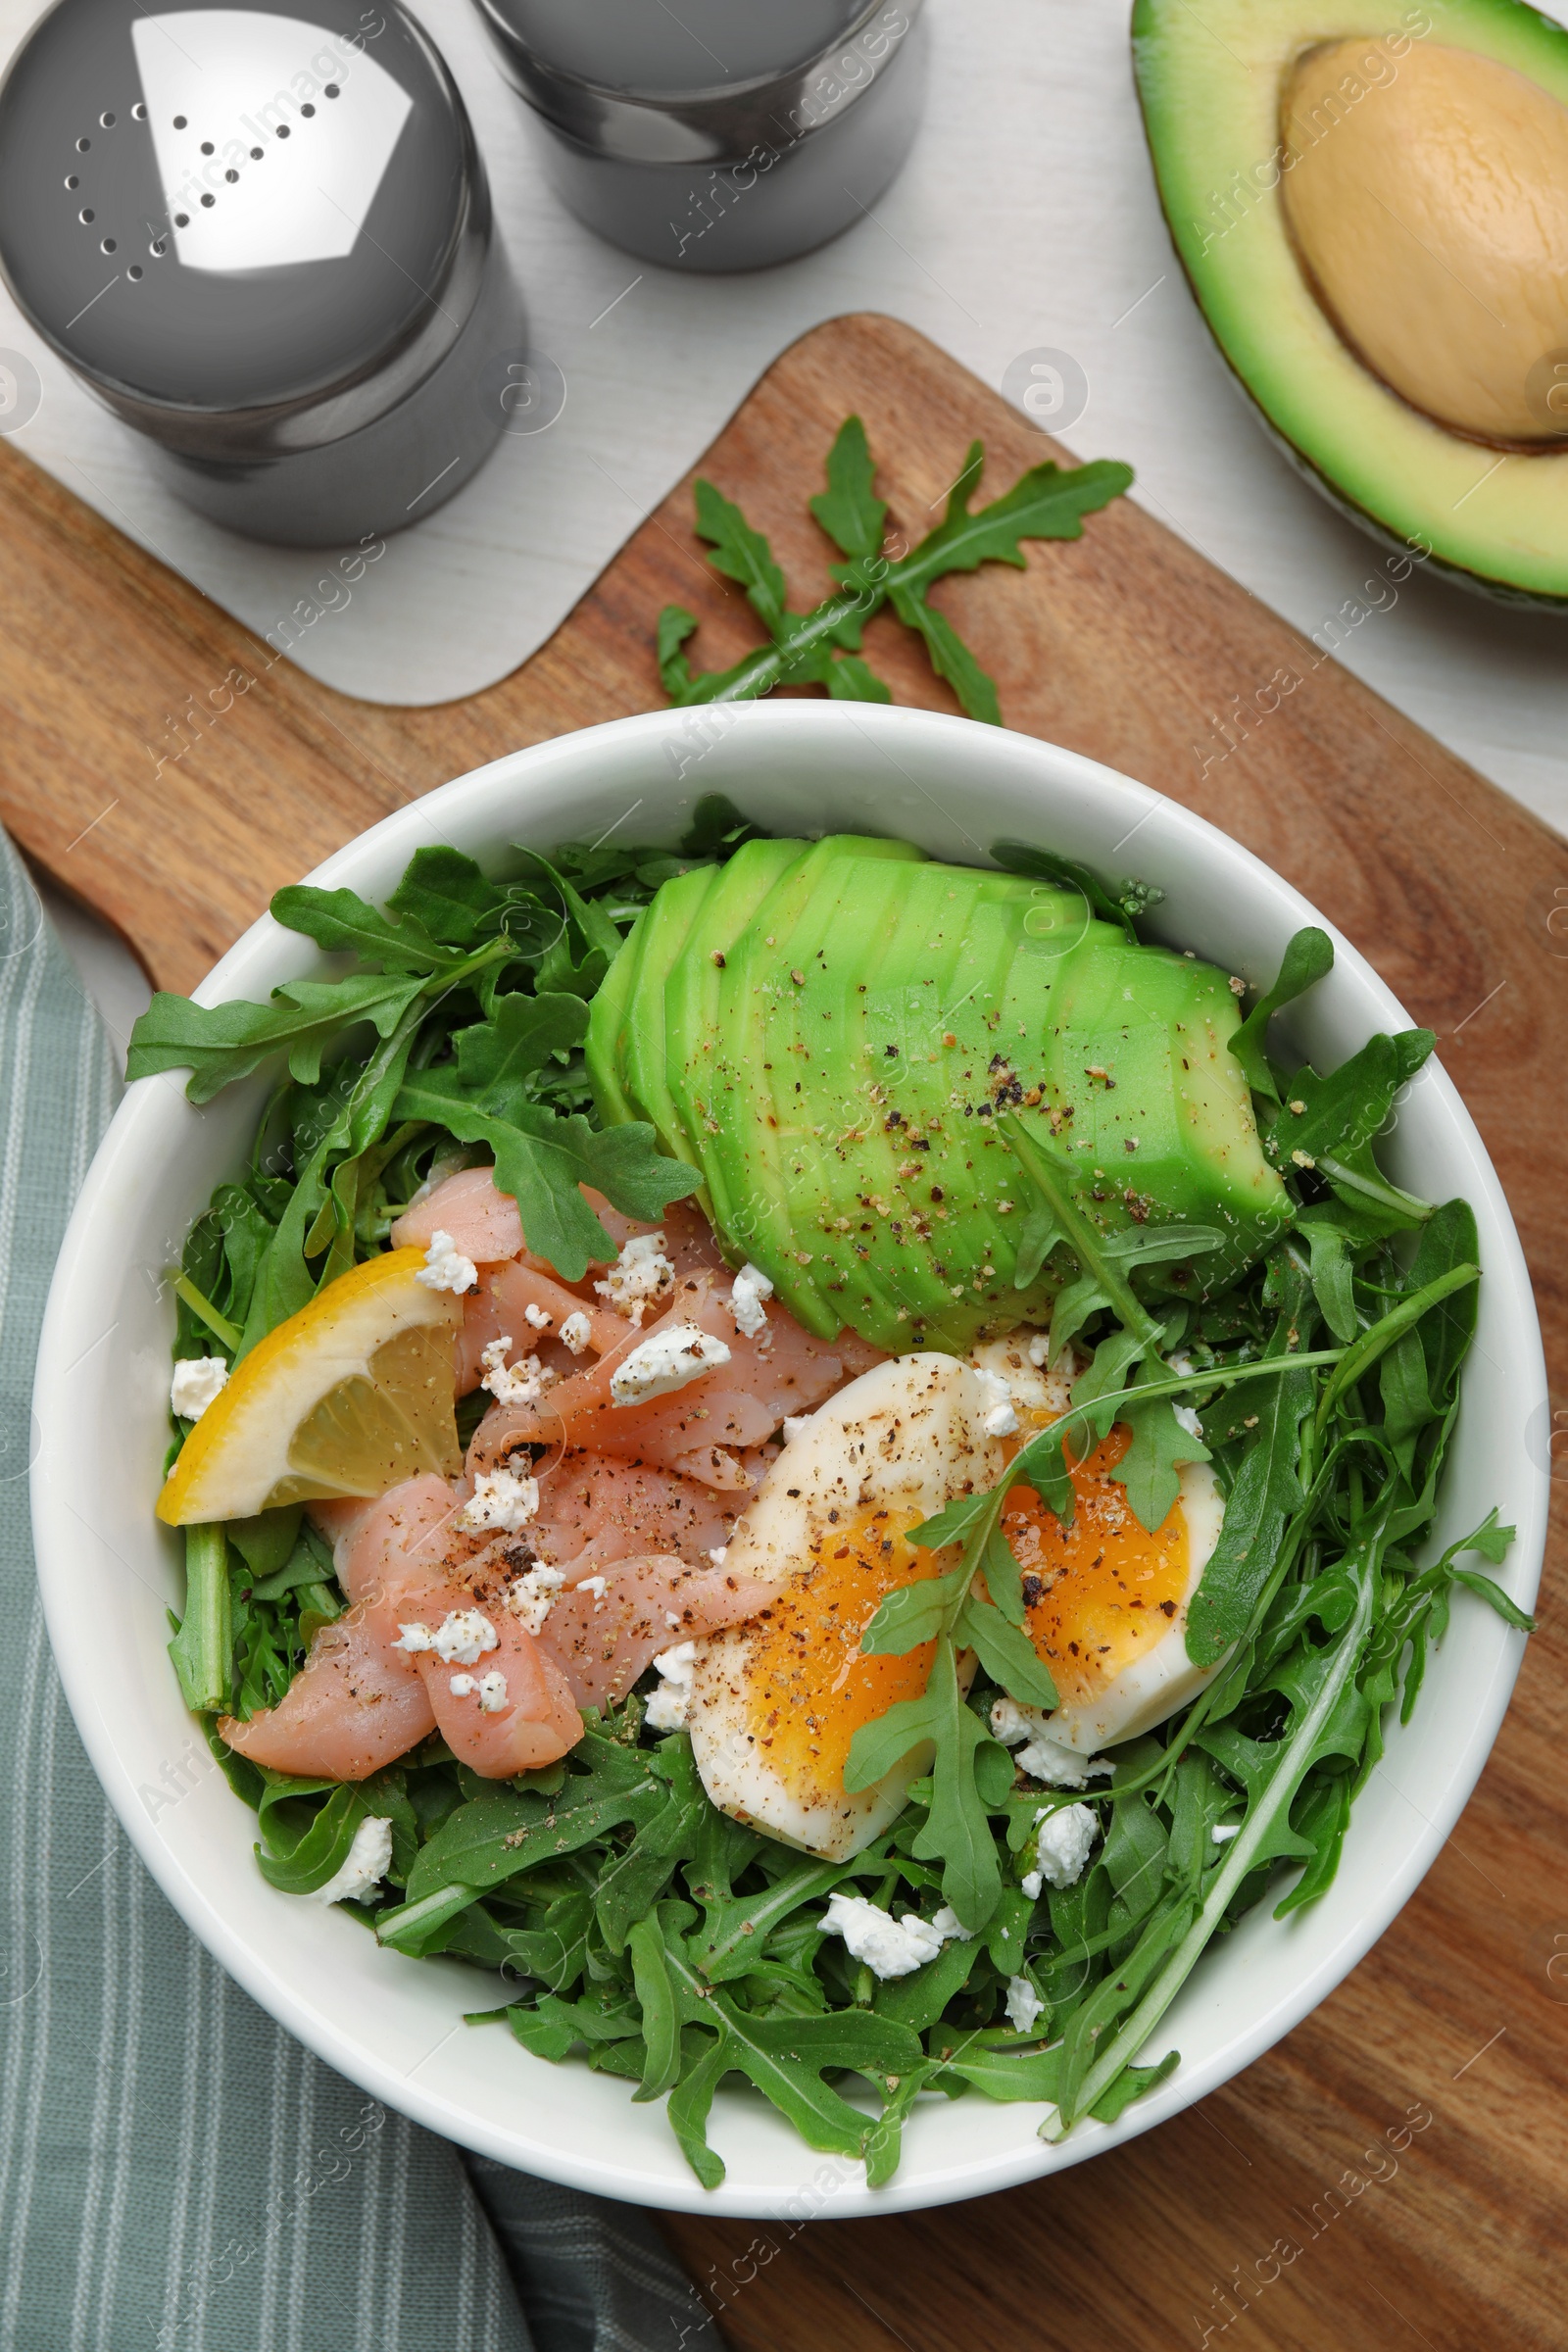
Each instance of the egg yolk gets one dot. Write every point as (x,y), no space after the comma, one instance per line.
(810,1686)
(1100,1593)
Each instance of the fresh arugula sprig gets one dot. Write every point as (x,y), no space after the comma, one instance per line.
(472,992)
(821,648)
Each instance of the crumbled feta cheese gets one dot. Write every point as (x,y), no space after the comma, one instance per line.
(1062,1845)
(666,1710)
(1041,1756)
(889,1947)
(576,1332)
(365,1865)
(796,1426)
(531,1597)
(523,1383)
(999,1419)
(1185,1414)
(502,1500)
(665,1361)
(1060,1767)
(1224,1831)
(642,1272)
(749,1289)
(490,1690)
(1023,2004)
(719,1554)
(950,1926)
(537,1318)
(1010,1722)
(445,1267)
(1039,1347)
(598,1585)
(1012,1378)
(197,1380)
(460,1639)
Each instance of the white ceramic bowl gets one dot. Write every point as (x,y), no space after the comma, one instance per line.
(109,1572)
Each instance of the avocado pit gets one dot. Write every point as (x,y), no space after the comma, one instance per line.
(1429,210)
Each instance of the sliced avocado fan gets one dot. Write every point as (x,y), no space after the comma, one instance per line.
(1371,202)
(828,1032)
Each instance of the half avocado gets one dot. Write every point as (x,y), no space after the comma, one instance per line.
(1371,202)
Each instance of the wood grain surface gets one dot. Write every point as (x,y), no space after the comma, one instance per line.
(171,770)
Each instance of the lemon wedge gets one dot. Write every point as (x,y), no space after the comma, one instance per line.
(347,1397)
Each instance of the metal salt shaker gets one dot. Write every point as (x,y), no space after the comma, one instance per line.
(718,134)
(262,238)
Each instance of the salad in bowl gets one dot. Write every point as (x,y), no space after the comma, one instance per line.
(817,1460)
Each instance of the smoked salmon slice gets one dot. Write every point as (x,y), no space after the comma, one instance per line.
(607,1630)
(779,1372)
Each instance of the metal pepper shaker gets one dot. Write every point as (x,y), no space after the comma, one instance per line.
(262,237)
(722,134)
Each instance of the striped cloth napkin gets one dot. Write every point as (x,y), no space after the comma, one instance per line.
(176,2172)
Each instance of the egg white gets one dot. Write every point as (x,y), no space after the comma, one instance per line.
(905,1438)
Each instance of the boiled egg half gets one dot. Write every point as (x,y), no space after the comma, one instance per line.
(775,1702)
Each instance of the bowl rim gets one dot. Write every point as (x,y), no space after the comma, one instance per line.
(266,954)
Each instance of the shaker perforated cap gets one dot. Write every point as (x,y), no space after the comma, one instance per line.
(240,224)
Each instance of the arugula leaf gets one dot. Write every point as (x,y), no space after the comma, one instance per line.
(1038,1235)
(1150,1470)
(822,647)
(342,919)
(1308,958)
(1342,1116)
(741,554)
(1049,502)
(783,2057)
(1448,1240)
(949,656)
(848,509)
(717,826)
(449,896)
(1008,1656)
(1374,1342)
(919,2000)
(306,1865)
(675,625)
(543,1157)
(1265,1495)
(958,1828)
(1331,1236)
(910,1616)
(221,1042)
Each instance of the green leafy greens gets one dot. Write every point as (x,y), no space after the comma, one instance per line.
(822,647)
(476,1017)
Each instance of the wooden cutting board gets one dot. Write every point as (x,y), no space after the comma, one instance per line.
(138,769)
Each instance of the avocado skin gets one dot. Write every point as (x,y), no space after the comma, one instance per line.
(1210,95)
(804,1064)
